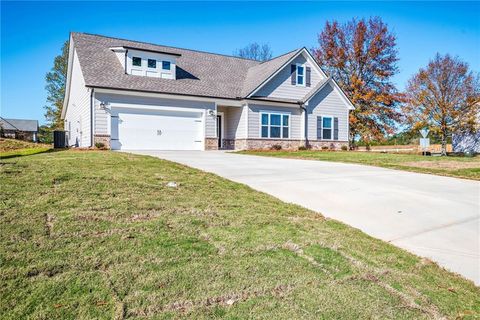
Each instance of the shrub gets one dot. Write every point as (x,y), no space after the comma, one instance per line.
(99,145)
(302,148)
(344,148)
(324,148)
(276,147)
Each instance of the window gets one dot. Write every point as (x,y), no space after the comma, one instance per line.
(300,75)
(136,61)
(327,124)
(166,65)
(152,63)
(274,125)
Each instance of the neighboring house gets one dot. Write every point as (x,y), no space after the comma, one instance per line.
(468,141)
(19,129)
(135,95)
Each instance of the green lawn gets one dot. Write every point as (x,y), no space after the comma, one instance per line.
(461,167)
(10,148)
(98,234)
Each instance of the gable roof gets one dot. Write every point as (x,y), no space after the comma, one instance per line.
(198,73)
(19,124)
(335,86)
(257,75)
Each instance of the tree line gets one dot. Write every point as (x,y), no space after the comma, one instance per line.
(361,55)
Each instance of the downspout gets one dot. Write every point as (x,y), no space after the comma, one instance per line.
(126,52)
(91,116)
(305,126)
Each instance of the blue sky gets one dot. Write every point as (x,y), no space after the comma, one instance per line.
(33,32)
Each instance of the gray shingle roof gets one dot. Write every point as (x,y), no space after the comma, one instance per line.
(19,124)
(198,73)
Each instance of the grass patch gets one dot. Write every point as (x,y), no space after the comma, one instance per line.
(453,166)
(10,148)
(101,235)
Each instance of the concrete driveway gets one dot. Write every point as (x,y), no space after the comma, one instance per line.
(431,216)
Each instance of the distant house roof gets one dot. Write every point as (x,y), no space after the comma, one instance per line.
(19,124)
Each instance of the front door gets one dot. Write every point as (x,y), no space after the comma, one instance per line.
(219,131)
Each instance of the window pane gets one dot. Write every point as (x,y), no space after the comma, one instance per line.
(285,132)
(166,65)
(285,120)
(152,63)
(264,119)
(264,131)
(275,119)
(327,134)
(274,132)
(300,70)
(136,61)
(327,122)
(300,80)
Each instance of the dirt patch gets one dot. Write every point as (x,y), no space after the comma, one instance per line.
(443,164)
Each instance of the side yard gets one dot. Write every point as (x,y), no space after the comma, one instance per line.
(11,147)
(99,234)
(460,167)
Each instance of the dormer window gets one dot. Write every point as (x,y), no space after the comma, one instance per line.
(300,75)
(166,65)
(137,61)
(152,63)
(146,62)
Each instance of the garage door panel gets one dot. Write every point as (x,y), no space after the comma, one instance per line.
(163,130)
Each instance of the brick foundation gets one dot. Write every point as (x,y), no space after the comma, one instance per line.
(228,144)
(211,144)
(267,144)
(331,145)
(102,138)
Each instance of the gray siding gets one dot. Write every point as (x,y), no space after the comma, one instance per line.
(102,119)
(234,122)
(327,102)
(280,86)
(254,120)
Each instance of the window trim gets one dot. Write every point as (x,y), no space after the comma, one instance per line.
(331,126)
(281,114)
(169,63)
(304,77)
(148,62)
(134,65)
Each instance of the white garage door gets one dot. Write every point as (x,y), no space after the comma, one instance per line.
(156,130)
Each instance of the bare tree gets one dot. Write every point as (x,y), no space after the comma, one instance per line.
(444,96)
(255,51)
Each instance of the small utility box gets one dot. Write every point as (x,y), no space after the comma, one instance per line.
(59,140)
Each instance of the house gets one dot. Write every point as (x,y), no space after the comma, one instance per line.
(19,129)
(135,95)
(468,141)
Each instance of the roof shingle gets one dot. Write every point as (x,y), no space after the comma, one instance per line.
(19,124)
(198,73)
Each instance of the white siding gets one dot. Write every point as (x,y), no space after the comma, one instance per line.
(144,70)
(327,102)
(254,120)
(102,117)
(77,116)
(281,86)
